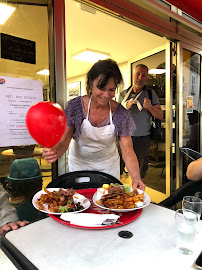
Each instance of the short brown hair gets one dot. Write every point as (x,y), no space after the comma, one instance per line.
(143,66)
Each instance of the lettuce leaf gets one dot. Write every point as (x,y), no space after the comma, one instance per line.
(126,189)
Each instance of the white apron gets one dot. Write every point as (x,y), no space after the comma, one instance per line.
(95,149)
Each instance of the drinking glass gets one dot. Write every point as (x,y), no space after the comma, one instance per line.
(186,227)
(192,203)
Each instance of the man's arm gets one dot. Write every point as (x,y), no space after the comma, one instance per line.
(123,98)
(155,110)
(194,170)
(7,212)
(8,215)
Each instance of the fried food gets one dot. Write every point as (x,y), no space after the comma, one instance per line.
(118,199)
(57,199)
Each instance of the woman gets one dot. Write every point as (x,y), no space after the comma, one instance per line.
(95,122)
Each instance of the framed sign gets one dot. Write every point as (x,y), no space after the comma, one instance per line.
(17,49)
(74,89)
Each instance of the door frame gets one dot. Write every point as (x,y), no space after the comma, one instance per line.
(155,195)
(179,112)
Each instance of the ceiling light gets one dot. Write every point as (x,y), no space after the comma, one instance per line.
(89,55)
(157,71)
(5,12)
(44,71)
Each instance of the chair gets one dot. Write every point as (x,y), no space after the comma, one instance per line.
(157,157)
(190,154)
(189,187)
(83,180)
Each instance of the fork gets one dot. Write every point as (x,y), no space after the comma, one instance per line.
(111,222)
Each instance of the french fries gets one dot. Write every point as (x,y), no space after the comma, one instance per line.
(118,199)
(55,199)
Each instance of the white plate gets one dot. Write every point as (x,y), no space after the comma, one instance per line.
(86,203)
(146,199)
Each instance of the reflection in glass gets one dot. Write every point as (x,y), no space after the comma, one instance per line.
(191,103)
(28,22)
(156,174)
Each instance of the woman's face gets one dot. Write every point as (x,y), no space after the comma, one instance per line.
(104,95)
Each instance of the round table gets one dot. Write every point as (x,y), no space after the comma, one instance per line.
(9,153)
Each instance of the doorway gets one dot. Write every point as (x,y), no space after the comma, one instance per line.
(189,115)
(24,57)
(162,74)
(141,45)
(131,45)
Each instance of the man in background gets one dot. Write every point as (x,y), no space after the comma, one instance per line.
(136,99)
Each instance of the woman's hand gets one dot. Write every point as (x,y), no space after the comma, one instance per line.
(50,155)
(138,184)
(12,226)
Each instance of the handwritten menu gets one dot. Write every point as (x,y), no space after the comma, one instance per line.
(17,96)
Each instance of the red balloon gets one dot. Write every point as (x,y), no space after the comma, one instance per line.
(46,123)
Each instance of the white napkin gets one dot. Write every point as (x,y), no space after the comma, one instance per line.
(78,198)
(100,192)
(135,101)
(88,219)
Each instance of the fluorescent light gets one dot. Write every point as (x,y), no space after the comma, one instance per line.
(44,71)
(5,12)
(157,71)
(89,55)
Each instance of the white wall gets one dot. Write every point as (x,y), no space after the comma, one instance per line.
(82,79)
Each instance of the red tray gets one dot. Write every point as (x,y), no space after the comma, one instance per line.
(125,217)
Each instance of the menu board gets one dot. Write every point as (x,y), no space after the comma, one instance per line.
(17,96)
(18,49)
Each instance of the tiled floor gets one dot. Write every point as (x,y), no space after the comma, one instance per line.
(155,178)
(126,179)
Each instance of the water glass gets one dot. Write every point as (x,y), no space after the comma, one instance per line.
(186,227)
(192,203)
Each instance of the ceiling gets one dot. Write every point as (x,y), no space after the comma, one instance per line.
(98,31)
(105,33)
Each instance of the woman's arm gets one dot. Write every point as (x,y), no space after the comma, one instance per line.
(194,170)
(52,154)
(131,161)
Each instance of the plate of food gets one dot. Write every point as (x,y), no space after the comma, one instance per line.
(57,201)
(120,198)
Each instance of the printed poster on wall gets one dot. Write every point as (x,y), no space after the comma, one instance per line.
(17,96)
(190,104)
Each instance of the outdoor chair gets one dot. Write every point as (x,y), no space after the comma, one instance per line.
(83,180)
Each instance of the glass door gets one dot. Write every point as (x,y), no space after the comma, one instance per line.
(24,63)
(189,85)
(161,162)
